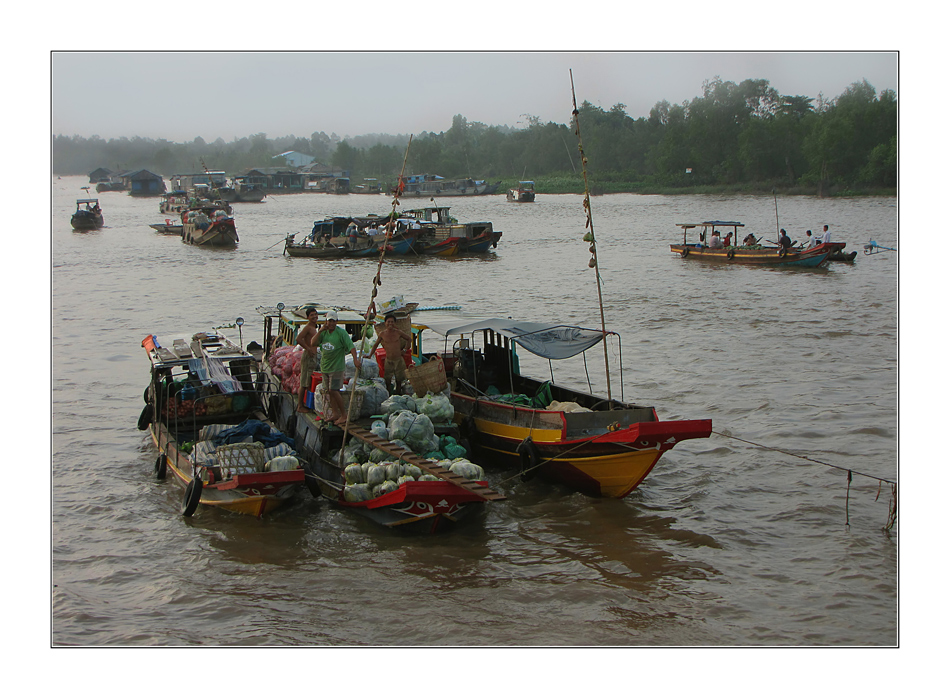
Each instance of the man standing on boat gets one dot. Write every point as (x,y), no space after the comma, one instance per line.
(391,338)
(827,236)
(334,342)
(308,362)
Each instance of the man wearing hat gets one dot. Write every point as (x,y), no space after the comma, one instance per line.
(334,342)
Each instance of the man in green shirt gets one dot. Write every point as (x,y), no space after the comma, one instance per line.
(334,342)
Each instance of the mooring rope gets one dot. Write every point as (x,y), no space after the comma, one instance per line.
(892,505)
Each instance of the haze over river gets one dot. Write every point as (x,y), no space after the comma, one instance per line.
(728,542)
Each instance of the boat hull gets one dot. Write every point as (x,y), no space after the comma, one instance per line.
(761,256)
(86,223)
(218,234)
(331,252)
(601,454)
(254,494)
(167,228)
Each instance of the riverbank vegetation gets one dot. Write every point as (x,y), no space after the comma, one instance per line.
(736,138)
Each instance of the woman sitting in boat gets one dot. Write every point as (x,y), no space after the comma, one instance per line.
(750,240)
(727,241)
(715,242)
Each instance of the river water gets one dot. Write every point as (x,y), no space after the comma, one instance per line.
(735,540)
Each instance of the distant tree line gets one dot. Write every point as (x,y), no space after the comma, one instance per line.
(741,136)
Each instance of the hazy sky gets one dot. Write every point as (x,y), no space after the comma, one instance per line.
(181,95)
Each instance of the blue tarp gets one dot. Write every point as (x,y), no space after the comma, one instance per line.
(257,431)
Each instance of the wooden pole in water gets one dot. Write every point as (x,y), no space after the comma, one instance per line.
(777,236)
(593,241)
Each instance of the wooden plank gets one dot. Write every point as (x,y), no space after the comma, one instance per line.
(181,349)
(426,465)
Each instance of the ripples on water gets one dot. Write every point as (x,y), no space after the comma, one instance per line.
(724,544)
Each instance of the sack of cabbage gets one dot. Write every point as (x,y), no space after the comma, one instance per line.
(370,480)
(435,406)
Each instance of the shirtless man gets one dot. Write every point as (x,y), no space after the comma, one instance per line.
(391,338)
(308,361)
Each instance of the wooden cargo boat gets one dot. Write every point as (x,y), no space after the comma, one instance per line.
(438,231)
(204,413)
(174,202)
(307,248)
(208,227)
(420,506)
(437,186)
(524,192)
(598,446)
(749,254)
(167,228)
(88,215)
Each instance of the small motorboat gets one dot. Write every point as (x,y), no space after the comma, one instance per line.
(88,215)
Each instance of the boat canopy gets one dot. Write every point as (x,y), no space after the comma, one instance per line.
(734,224)
(542,339)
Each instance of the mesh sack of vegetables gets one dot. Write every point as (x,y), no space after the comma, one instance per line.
(438,407)
(353,474)
(354,453)
(374,393)
(369,369)
(451,448)
(415,430)
(397,402)
(358,492)
(466,469)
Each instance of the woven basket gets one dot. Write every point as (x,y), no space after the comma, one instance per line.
(241,455)
(428,377)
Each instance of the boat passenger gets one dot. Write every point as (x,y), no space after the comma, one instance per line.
(810,240)
(715,242)
(826,238)
(784,242)
(750,240)
(727,241)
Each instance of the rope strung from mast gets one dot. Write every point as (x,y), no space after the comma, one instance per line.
(377,282)
(589,236)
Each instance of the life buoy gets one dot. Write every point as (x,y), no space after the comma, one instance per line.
(684,252)
(731,254)
(191,498)
(529,458)
(145,419)
(161,467)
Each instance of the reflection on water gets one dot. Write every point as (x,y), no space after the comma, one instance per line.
(724,543)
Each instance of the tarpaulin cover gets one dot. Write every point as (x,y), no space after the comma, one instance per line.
(255,431)
(543,339)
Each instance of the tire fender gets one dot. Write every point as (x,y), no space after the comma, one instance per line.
(529,458)
(191,497)
(145,418)
(161,467)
